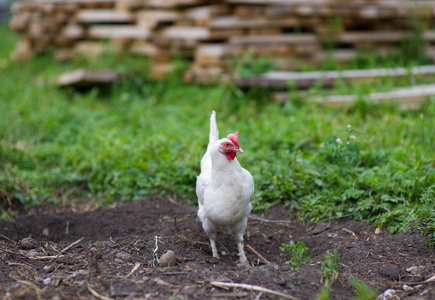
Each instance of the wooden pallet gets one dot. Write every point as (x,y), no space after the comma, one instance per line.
(292,33)
(303,80)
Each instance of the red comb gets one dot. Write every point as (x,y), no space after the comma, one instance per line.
(234,137)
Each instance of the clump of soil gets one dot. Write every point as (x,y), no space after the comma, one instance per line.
(114,253)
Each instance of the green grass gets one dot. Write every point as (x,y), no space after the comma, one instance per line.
(144,137)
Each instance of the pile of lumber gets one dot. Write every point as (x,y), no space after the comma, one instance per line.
(212,34)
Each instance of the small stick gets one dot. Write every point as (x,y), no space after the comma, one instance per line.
(261,257)
(136,266)
(258,296)
(44,257)
(250,287)
(32,257)
(430,279)
(349,231)
(10,240)
(67,228)
(96,294)
(255,217)
(72,245)
(164,283)
(175,222)
(32,285)
(231,295)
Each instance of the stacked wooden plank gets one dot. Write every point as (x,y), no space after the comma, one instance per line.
(210,34)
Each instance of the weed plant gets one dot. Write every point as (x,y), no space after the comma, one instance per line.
(330,267)
(144,137)
(298,252)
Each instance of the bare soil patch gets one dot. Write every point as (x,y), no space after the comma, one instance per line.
(110,253)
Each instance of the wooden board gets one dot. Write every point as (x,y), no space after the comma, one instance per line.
(407,95)
(120,31)
(327,78)
(86,78)
(196,33)
(151,19)
(231,22)
(202,15)
(73,31)
(290,39)
(292,33)
(103,16)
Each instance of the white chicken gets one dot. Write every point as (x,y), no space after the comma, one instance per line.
(224,189)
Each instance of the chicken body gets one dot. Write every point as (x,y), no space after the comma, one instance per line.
(224,189)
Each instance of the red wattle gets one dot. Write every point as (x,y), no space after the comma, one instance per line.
(231,155)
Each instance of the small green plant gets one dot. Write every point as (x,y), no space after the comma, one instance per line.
(330,267)
(363,290)
(426,215)
(298,252)
(343,152)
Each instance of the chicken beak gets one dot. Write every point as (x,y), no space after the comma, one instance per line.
(240,150)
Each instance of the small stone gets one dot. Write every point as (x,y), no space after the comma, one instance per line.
(378,231)
(32,253)
(118,261)
(123,255)
(49,269)
(390,271)
(46,232)
(168,259)
(27,243)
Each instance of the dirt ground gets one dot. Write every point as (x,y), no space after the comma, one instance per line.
(111,253)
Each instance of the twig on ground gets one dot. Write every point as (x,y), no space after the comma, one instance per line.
(164,283)
(173,201)
(257,218)
(67,228)
(175,223)
(33,286)
(17,264)
(136,266)
(261,257)
(349,231)
(354,212)
(96,294)
(44,257)
(430,279)
(32,257)
(243,295)
(250,287)
(184,238)
(258,296)
(72,245)
(10,240)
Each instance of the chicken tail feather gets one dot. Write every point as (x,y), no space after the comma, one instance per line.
(214,132)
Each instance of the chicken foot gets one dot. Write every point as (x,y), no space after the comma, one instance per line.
(242,255)
(213,248)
